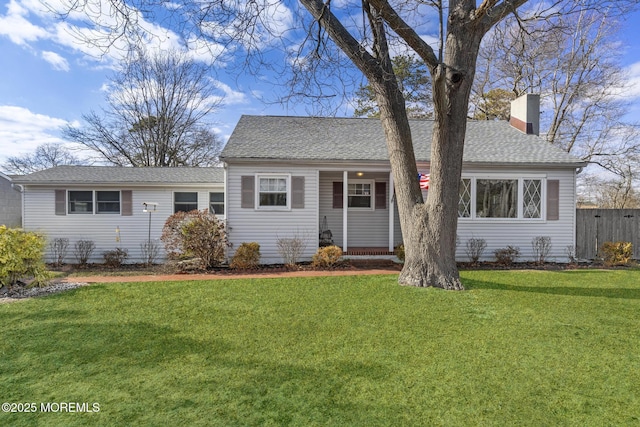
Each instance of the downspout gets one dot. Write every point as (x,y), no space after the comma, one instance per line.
(20,189)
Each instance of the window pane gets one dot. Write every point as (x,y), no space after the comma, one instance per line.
(273,199)
(532,198)
(464,203)
(80,201)
(216,203)
(359,201)
(185,202)
(186,197)
(496,198)
(108,202)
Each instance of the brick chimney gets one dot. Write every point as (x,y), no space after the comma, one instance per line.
(525,113)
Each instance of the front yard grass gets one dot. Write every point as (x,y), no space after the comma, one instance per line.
(527,348)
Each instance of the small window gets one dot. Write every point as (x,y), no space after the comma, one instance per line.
(216,203)
(272,192)
(532,198)
(81,202)
(185,202)
(464,202)
(108,202)
(359,195)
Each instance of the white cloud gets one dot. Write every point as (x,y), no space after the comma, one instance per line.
(633,90)
(21,130)
(57,61)
(16,26)
(231,97)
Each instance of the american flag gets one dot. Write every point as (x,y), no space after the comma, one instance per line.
(424,181)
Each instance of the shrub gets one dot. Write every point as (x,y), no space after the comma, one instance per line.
(541,247)
(507,256)
(196,234)
(291,249)
(616,253)
(115,258)
(475,249)
(327,256)
(247,256)
(399,251)
(149,251)
(58,248)
(21,256)
(83,250)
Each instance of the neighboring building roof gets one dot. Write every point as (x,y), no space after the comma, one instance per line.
(124,175)
(354,139)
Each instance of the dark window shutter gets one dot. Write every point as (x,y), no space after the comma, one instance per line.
(126,202)
(553,200)
(381,195)
(297,192)
(337,195)
(247,198)
(61,202)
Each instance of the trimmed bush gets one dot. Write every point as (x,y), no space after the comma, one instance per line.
(21,256)
(196,234)
(149,251)
(327,256)
(507,256)
(58,248)
(115,258)
(541,246)
(475,248)
(247,256)
(83,250)
(291,248)
(399,251)
(616,253)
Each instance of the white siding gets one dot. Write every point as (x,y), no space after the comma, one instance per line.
(500,233)
(365,228)
(39,215)
(266,227)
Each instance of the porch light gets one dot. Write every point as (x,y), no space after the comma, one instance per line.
(359,173)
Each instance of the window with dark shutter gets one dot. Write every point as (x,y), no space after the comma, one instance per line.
(247,188)
(127,202)
(338,193)
(297,192)
(381,195)
(61,202)
(553,200)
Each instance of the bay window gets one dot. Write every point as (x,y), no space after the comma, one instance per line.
(500,198)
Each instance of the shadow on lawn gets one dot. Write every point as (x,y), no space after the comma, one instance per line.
(248,385)
(623,293)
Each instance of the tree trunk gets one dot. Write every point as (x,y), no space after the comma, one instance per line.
(429,229)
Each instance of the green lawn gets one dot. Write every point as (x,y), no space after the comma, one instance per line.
(517,348)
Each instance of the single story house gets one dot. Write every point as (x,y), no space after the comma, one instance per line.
(115,207)
(10,202)
(289,177)
(316,179)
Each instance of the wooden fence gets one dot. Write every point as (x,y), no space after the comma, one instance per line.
(596,226)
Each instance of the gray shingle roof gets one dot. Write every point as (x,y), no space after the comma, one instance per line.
(353,139)
(123,175)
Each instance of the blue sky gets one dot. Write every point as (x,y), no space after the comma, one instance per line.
(48,79)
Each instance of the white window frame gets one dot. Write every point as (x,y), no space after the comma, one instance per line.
(95,202)
(185,191)
(372,196)
(222,202)
(286,177)
(519,218)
